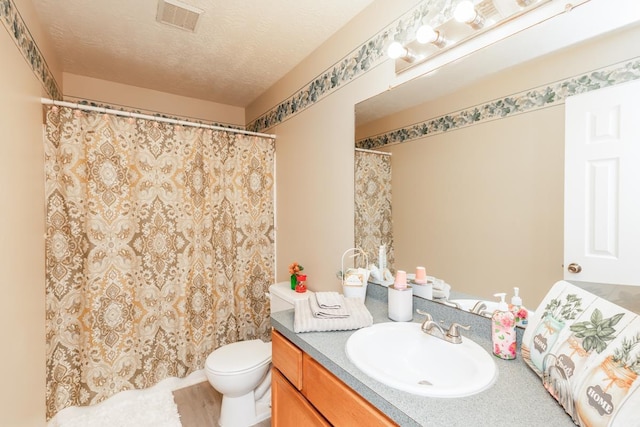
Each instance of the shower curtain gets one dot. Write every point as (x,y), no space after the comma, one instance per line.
(373,225)
(159,249)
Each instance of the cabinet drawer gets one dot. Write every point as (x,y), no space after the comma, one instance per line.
(289,408)
(338,403)
(287,358)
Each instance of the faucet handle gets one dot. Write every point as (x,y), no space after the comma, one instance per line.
(424,313)
(450,303)
(454,333)
(478,307)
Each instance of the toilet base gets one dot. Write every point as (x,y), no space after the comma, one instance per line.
(237,411)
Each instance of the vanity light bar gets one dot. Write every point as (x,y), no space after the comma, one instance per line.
(469,20)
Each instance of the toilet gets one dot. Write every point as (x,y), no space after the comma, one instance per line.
(241,371)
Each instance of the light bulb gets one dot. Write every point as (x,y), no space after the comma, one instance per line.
(465,12)
(396,50)
(426,34)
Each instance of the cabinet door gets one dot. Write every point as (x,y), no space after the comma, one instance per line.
(602,186)
(287,358)
(288,407)
(335,400)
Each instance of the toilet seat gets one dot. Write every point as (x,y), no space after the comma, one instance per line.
(238,357)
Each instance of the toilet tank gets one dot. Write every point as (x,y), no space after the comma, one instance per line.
(282,296)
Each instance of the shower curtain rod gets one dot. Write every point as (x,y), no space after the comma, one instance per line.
(364,150)
(47,101)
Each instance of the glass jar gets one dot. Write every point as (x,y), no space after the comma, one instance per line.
(301,285)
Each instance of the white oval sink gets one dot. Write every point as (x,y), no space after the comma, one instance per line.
(403,357)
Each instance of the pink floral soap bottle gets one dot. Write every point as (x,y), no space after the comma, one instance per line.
(503,330)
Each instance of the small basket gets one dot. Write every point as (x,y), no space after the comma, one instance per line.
(355,280)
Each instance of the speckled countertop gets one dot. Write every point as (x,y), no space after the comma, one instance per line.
(516,399)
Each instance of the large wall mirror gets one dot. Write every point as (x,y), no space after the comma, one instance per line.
(477,156)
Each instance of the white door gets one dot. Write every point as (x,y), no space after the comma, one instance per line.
(602,186)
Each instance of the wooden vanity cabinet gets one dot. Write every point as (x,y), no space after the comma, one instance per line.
(289,407)
(303,392)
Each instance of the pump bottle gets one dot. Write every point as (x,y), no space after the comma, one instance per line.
(520,312)
(503,330)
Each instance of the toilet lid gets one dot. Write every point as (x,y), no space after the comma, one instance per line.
(239,356)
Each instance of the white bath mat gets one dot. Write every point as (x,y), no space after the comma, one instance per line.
(152,407)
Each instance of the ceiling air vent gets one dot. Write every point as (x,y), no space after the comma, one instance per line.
(178,14)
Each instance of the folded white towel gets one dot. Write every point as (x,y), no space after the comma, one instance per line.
(304,321)
(329,313)
(441,290)
(329,299)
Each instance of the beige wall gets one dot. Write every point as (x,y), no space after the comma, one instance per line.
(482,206)
(22,309)
(145,100)
(314,152)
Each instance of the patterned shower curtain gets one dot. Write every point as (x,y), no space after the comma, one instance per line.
(373,225)
(159,249)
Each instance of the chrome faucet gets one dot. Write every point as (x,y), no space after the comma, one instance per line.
(430,327)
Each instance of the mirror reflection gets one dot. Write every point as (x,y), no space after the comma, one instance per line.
(477,172)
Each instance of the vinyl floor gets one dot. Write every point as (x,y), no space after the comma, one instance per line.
(199,406)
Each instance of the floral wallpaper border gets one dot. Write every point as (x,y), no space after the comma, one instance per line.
(523,102)
(152,113)
(359,61)
(354,65)
(16,27)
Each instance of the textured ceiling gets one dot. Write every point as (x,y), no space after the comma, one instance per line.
(239,49)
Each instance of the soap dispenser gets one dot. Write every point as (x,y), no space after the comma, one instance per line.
(516,301)
(503,330)
(521,313)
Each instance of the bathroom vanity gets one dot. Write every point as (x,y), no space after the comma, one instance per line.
(314,383)
(305,393)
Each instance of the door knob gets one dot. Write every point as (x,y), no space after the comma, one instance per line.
(574,268)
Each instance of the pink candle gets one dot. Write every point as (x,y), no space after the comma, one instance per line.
(421,275)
